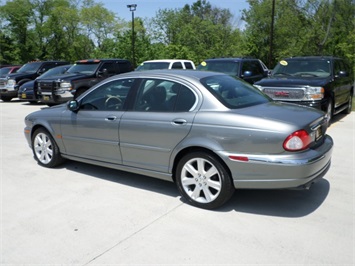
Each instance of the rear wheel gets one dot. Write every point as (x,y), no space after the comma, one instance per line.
(45,149)
(203,180)
(350,104)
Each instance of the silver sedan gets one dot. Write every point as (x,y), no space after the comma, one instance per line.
(208,132)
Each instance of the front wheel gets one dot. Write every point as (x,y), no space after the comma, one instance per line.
(203,180)
(6,98)
(329,111)
(45,150)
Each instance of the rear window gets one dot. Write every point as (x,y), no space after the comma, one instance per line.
(234,93)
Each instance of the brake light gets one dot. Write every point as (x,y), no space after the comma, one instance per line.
(297,141)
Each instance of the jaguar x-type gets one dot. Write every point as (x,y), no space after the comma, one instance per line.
(208,132)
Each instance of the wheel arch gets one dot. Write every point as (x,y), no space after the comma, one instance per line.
(191,149)
(50,130)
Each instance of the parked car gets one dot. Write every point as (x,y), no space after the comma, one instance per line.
(166,64)
(207,131)
(11,83)
(322,82)
(249,69)
(79,78)
(4,71)
(28,91)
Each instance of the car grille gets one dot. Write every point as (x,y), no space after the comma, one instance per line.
(45,87)
(3,82)
(285,94)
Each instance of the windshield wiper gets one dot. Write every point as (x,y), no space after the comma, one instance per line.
(281,74)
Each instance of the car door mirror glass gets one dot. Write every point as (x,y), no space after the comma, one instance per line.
(73,106)
(247,73)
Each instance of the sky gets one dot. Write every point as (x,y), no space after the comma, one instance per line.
(148,8)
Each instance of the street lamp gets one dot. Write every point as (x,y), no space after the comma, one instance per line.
(132,8)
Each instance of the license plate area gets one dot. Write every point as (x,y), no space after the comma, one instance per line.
(319,133)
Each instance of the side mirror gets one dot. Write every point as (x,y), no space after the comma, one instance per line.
(41,71)
(247,74)
(73,105)
(342,74)
(102,73)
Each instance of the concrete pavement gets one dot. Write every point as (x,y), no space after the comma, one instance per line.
(87,215)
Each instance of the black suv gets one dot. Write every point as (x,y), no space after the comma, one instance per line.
(249,69)
(79,78)
(10,84)
(322,82)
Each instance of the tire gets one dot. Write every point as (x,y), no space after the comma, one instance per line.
(350,104)
(6,98)
(329,111)
(203,180)
(45,149)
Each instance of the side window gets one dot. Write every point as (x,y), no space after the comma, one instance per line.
(252,66)
(337,67)
(124,67)
(185,100)
(110,96)
(188,65)
(256,68)
(46,67)
(157,95)
(177,65)
(110,67)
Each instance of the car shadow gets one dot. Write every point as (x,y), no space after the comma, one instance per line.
(283,203)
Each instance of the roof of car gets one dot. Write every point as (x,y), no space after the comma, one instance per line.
(194,74)
(310,57)
(230,59)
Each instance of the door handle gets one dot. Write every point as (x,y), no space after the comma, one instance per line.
(111,118)
(179,121)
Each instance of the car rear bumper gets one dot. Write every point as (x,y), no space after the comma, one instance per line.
(280,171)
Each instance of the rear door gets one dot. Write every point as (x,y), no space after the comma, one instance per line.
(162,116)
(342,83)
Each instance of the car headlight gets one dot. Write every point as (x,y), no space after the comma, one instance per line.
(258,87)
(314,93)
(64,86)
(11,83)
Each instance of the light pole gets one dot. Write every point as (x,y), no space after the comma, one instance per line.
(132,8)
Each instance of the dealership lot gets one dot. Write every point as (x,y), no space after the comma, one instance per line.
(87,215)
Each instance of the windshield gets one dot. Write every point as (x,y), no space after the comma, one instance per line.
(84,68)
(303,68)
(227,67)
(234,93)
(153,65)
(30,68)
(4,71)
(55,71)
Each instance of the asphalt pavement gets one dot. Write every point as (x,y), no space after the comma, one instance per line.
(88,215)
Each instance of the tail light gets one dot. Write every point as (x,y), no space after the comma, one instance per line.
(297,141)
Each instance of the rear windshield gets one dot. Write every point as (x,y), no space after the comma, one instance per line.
(234,93)
(303,68)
